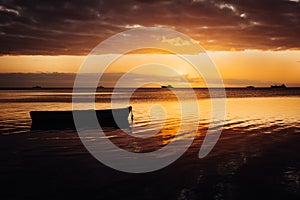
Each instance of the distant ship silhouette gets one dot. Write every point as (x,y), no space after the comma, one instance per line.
(166,86)
(37,87)
(278,86)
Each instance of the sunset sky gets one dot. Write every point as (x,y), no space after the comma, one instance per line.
(252,42)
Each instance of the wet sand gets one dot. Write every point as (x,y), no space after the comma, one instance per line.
(55,165)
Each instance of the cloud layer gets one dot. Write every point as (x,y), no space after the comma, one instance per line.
(75,27)
(66,80)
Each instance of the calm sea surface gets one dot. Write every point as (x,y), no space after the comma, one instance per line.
(256,157)
(248,109)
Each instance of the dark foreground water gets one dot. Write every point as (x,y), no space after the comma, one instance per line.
(256,157)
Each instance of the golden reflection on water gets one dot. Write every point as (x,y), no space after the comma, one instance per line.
(262,112)
(157,112)
(157,121)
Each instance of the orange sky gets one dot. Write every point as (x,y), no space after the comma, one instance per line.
(238,68)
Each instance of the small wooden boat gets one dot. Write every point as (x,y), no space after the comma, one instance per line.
(47,120)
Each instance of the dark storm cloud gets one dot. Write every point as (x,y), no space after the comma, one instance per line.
(75,27)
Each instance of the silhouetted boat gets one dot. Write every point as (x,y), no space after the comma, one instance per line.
(166,86)
(47,120)
(278,86)
(100,87)
(250,87)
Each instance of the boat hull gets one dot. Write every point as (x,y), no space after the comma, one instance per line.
(45,120)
